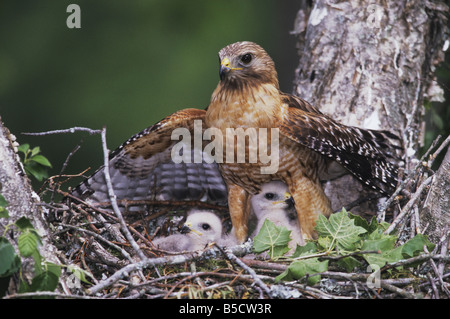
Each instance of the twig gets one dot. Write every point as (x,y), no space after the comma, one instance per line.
(230,256)
(123,252)
(66,162)
(438,275)
(432,146)
(264,265)
(356,253)
(399,291)
(408,206)
(169,260)
(46,294)
(412,260)
(70,130)
(444,144)
(112,198)
(414,172)
(433,286)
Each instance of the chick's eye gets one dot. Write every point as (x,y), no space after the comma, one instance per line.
(206,226)
(246,58)
(269,196)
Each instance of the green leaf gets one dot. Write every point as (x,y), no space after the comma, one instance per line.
(300,268)
(80,273)
(3,201)
(383,244)
(308,249)
(23,223)
(341,229)
(9,260)
(38,267)
(53,268)
(325,242)
(23,148)
(36,150)
(46,281)
(4,212)
(37,171)
(362,222)
(349,263)
(24,287)
(28,243)
(414,246)
(272,238)
(42,160)
(389,256)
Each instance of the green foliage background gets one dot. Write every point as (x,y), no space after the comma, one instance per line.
(131,64)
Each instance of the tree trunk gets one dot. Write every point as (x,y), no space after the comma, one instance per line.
(370,64)
(22,202)
(435,216)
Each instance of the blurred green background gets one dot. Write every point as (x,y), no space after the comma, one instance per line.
(131,64)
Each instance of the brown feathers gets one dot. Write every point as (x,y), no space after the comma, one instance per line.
(248,97)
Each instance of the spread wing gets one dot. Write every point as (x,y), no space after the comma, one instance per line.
(367,154)
(142,168)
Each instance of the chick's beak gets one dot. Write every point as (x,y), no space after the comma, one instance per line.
(289,200)
(187,228)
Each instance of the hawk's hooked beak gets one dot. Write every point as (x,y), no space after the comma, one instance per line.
(187,228)
(226,67)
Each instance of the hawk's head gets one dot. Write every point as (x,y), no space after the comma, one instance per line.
(245,63)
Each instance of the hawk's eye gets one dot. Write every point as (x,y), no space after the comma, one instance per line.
(246,58)
(269,196)
(206,226)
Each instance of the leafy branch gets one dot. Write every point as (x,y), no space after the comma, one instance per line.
(46,274)
(349,240)
(35,164)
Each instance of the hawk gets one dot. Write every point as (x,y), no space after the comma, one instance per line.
(248,96)
(142,169)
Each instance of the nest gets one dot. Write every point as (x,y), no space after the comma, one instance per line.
(115,258)
(109,253)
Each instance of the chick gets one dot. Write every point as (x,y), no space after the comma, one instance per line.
(200,229)
(275,203)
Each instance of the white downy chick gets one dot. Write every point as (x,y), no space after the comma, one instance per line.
(275,203)
(200,229)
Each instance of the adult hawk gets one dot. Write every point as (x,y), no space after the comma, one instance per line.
(248,96)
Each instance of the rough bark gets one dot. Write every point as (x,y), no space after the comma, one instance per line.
(370,64)
(22,201)
(435,215)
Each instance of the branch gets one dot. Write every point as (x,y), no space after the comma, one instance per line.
(412,260)
(169,260)
(70,130)
(112,198)
(230,256)
(97,236)
(46,294)
(409,205)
